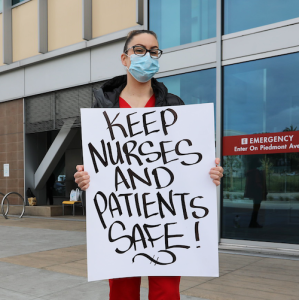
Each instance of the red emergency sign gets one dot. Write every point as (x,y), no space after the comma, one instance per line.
(265,143)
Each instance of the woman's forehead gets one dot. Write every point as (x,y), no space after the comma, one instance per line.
(145,39)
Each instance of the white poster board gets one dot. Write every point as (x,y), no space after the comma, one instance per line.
(151,204)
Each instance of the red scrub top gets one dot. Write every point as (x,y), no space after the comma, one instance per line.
(150,103)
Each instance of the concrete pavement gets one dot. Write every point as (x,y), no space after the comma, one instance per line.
(45,258)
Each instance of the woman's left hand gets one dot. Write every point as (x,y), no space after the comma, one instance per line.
(216,173)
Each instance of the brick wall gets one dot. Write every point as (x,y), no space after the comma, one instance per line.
(11,148)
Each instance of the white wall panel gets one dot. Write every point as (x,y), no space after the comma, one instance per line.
(59,73)
(270,40)
(200,55)
(12,85)
(106,62)
(103,62)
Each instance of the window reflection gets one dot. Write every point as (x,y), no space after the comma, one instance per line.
(262,96)
(14,2)
(194,88)
(179,22)
(261,191)
(59,175)
(56,184)
(241,15)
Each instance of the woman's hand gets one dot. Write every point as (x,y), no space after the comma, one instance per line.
(216,173)
(82,178)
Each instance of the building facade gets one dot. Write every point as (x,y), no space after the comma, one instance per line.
(243,56)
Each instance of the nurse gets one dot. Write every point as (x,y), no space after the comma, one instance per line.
(138,88)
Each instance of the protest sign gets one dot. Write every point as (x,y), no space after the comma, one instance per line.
(151,204)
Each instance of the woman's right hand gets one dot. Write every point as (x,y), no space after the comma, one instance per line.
(82,178)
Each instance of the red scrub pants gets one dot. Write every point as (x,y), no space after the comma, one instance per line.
(160,288)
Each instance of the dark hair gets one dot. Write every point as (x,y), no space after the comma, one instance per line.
(133,33)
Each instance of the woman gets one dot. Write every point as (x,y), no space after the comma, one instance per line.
(138,89)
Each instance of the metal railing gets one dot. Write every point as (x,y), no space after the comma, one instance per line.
(5,197)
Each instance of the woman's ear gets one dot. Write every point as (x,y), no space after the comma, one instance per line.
(123,58)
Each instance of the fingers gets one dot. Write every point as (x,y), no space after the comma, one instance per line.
(216,173)
(78,175)
(84,184)
(216,176)
(80,168)
(82,178)
(85,187)
(217,161)
(217,182)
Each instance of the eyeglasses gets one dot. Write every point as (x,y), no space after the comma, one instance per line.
(141,51)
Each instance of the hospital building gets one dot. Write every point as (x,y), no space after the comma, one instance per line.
(240,55)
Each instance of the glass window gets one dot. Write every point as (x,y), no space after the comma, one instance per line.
(193,88)
(178,22)
(261,191)
(1,5)
(56,184)
(241,15)
(14,2)
(59,179)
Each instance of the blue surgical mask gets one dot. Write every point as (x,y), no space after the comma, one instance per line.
(143,68)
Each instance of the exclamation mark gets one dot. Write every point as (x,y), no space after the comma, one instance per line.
(197,233)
